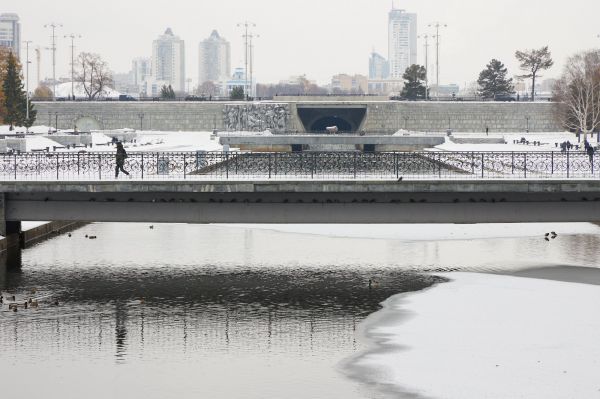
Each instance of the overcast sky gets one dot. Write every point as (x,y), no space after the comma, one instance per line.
(318,38)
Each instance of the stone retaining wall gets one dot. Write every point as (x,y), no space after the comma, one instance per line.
(382,117)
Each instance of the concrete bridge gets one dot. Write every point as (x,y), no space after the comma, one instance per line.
(264,201)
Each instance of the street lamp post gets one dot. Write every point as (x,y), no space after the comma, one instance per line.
(251,49)
(53,26)
(437,26)
(73,36)
(426,37)
(27,43)
(247,25)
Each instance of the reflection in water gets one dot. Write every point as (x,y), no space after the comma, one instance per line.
(190,311)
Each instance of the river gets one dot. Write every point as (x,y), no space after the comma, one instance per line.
(187,311)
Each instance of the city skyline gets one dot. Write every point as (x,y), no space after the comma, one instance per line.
(337,39)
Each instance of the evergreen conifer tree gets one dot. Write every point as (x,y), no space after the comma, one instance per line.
(493,81)
(414,83)
(15,98)
(237,93)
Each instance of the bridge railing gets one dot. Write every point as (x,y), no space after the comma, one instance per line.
(99,166)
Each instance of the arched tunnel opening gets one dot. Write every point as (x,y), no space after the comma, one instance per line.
(321,125)
(316,119)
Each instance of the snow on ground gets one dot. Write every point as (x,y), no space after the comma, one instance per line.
(5,129)
(174,141)
(548,142)
(31,225)
(39,143)
(429,232)
(486,336)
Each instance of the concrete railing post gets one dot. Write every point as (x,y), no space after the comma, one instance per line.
(512,157)
(482,164)
(270,165)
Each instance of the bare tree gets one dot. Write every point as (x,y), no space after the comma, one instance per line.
(93,74)
(578,93)
(532,62)
(207,88)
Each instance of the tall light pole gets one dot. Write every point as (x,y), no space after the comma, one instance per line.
(252,64)
(27,43)
(73,36)
(437,26)
(247,25)
(53,26)
(426,37)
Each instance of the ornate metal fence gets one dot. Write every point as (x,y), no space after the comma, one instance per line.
(304,165)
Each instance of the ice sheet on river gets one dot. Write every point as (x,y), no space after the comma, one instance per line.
(430,232)
(486,336)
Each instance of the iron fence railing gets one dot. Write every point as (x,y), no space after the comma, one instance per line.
(90,166)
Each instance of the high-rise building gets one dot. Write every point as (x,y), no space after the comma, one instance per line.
(379,67)
(168,60)
(402,42)
(141,69)
(10,33)
(342,83)
(215,59)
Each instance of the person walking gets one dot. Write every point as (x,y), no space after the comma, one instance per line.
(590,151)
(120,160)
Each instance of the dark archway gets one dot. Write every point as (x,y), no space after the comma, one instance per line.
(321,125)
(316,119)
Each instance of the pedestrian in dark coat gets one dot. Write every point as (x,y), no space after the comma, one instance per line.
(120,160)
(590,151)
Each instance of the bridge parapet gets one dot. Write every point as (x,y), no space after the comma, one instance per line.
(343,166)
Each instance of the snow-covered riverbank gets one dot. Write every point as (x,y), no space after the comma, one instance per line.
(486,336)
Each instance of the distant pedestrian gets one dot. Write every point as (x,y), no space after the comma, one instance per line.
(487,130)
(120,160)
(590,151)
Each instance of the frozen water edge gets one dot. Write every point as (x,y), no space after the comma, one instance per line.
(486,336)
(428,232)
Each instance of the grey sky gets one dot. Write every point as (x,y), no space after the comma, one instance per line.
(318,38)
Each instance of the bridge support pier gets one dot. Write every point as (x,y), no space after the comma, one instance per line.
(12,243)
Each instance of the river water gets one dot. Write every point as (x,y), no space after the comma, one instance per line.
(188,311)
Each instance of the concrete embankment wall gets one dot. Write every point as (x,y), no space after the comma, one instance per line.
(382,117)
(37,234)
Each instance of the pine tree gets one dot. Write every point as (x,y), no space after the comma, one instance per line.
(414,83)
(493,82)
(533,62)
(15,98)
(237,93)
(167,92)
